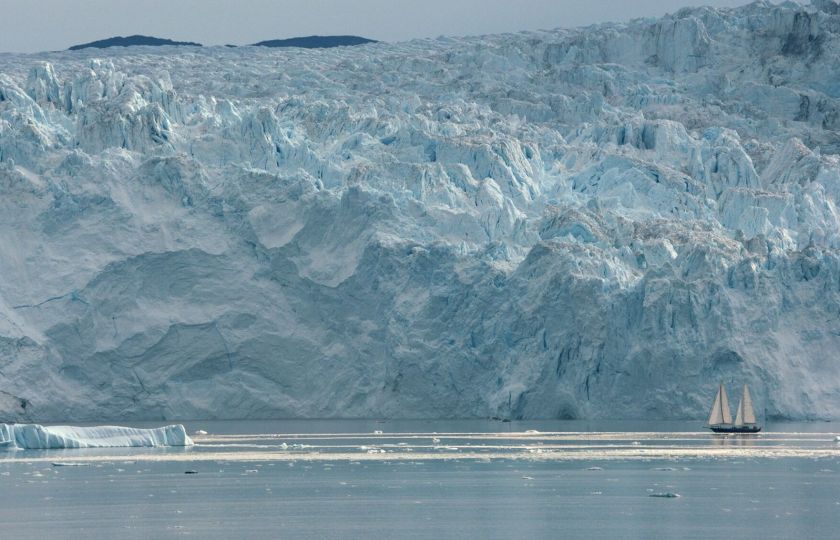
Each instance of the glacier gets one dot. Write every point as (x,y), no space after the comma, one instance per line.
(38,437)
(600,222)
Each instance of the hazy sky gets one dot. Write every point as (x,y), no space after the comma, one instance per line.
(41,25)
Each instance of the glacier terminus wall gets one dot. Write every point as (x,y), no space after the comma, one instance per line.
(593,223)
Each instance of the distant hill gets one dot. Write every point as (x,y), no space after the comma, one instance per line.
(129,41)
(316,42)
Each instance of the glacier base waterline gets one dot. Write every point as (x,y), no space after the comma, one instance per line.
(584,223)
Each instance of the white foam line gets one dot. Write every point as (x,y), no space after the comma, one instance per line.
(512,447)
(503,435)
(542,455)
(537,434)
(515,437)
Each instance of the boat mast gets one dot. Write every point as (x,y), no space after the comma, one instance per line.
(726,412)
(748,412)
(745,415)
(714,415)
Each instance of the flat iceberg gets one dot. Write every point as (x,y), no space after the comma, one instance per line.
(35,436)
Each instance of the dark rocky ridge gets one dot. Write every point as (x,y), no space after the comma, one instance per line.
(119,41)
(317,42)
(307,42)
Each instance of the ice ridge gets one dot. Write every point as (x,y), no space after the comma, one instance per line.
(588,223)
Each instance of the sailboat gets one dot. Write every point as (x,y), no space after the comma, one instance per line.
(720,419)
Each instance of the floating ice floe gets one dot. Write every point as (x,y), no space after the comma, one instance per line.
(665,495)
(35,436)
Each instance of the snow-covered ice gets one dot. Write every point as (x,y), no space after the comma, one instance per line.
(34,436)
(595,222)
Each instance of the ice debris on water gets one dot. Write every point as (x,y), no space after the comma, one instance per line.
(665,495)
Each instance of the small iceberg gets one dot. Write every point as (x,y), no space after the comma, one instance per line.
(666,495)
(38,437)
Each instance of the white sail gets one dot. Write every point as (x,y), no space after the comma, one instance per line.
(746,404)
(720,413)
(726,412)
(715,417)
(745,415)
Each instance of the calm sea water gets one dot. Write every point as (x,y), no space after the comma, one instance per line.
(435,479)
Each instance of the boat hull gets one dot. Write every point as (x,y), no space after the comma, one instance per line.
(736,429)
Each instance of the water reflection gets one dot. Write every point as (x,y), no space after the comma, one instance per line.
(734,440)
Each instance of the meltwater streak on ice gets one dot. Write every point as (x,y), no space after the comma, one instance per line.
(37,437)
(582,223)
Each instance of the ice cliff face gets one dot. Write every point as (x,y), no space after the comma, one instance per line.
(602,222)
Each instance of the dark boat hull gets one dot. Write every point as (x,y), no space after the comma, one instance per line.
(735,429)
